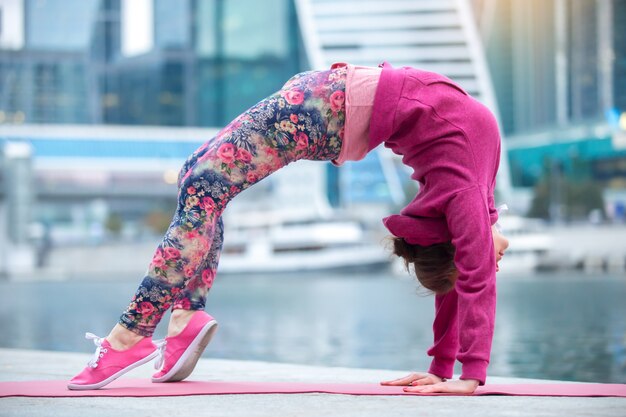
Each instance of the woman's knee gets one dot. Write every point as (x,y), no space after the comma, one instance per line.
(298,79)
(185,178)
(181,175)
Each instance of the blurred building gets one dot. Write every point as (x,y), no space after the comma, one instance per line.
(140,62)
(555,62)
(559,70)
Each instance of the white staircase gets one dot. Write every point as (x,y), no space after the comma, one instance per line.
(427,34)
(434,35)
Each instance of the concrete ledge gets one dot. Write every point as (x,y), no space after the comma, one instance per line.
(17,365)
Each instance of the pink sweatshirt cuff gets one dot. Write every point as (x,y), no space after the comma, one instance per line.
(443,368)
(475,370)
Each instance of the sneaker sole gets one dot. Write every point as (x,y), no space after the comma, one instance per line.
(113,377)
(188,360)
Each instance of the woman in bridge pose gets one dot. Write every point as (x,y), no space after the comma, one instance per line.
(447,232)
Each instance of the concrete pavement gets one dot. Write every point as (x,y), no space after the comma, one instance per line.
(20,365)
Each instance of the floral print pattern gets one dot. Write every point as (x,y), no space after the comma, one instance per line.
(304,120)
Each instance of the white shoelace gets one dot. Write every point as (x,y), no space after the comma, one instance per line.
(160,344)
(100,351)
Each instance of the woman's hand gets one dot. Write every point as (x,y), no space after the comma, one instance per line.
(429,383)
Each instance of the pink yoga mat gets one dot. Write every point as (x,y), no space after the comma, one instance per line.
(145,388)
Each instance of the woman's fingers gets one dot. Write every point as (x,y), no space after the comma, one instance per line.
(425,389)
(404,380)
(415,379)
(450,387)
(426,380)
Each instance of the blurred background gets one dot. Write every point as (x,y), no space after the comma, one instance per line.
(101,101)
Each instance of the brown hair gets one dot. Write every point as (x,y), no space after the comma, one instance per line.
(434,264)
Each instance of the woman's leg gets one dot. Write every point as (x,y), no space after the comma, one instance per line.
(193,296)
(304,120)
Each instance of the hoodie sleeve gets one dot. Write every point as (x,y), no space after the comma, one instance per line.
(468,218)
(446,335)
(493,211)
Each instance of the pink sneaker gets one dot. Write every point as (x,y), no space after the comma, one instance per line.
(109,364)
(181,352)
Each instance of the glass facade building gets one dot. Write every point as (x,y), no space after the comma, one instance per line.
(559,73)
(202,67)
(45,79)
(554,66)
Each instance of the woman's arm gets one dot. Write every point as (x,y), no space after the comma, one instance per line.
(446,335)
(467,216)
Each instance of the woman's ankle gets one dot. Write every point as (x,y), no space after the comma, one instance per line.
(178,321)
(121,338)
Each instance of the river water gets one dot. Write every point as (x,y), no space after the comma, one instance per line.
(566,326)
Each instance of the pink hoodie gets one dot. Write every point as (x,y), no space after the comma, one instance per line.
(453,145)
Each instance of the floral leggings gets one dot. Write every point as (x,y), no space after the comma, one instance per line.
(304,120)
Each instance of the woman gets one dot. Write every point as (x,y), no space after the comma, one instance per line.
(448,138)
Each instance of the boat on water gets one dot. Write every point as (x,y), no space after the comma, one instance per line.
(289,226)
(299,245)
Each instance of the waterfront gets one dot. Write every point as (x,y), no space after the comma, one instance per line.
(566,326)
